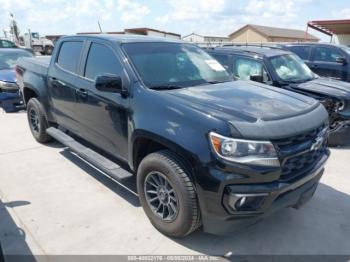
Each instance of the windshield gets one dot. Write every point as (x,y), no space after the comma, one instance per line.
(291,68)
(174,64)
(8,60)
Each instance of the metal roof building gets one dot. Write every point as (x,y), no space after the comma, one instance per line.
(340,28)
(257,33)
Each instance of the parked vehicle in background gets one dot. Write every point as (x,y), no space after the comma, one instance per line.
(205,149)
(5,43)
(10,98)
(39,44)
(328,60)
(280,68)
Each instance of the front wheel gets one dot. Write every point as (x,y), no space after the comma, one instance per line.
(167,194)
(37,121)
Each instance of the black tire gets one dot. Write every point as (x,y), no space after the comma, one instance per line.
(37,121)
(48,50)
(172,168)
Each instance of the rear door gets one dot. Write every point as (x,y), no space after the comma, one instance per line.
(324,62)
(62,83)
(102,115)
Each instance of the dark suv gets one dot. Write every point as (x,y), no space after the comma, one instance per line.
(280,68)
(326,60)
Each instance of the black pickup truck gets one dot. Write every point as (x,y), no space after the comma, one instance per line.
(205,150)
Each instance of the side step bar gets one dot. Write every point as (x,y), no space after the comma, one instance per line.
(99,161)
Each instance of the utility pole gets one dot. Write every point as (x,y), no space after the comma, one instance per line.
(98,22)
(14,29)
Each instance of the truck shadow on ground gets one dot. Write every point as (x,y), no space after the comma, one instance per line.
(126,189)
(13,238)
(322,226)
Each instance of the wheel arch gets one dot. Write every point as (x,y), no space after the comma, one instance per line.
(144,143)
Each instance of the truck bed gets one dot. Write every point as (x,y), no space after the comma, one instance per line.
(38,65)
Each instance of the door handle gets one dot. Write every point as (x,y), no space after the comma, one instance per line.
(56,82)
(82,93)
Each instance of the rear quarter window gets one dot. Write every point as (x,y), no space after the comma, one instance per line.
(69,55)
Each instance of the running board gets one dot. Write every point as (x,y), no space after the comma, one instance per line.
(97,160)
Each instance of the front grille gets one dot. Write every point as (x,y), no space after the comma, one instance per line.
(301,138)
(297,155)
(298,165)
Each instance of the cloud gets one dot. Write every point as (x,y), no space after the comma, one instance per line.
(132,12)
(69,17)
(222,17)
(344,14)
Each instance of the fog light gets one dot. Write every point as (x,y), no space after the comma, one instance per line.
(235,202)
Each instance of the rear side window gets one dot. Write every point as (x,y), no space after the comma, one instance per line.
(69,55)
(101,60)
(302,51)
(326,54)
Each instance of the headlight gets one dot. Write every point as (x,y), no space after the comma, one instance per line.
(244,151)
(8,85)
(340,106)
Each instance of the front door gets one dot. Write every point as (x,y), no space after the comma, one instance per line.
(102,116)
(324,63)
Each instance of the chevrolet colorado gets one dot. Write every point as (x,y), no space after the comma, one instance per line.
(205,150)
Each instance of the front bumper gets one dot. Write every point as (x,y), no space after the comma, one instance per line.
(276,195)
(11,102)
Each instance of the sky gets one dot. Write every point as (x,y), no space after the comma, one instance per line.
(210,17)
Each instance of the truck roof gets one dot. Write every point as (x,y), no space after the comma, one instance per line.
(252,50)
(122,38)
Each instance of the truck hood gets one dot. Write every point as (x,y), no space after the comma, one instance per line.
(246,101)
(8,75)
(253,109)
(326,86)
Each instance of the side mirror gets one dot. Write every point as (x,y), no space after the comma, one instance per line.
(109,83)
(341,60)
(257,78)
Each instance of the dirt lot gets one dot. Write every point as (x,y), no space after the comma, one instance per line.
(52,202)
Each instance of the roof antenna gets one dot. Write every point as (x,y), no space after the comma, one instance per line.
(98,22)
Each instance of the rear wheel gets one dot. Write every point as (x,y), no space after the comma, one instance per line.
(37,121)
(167,194)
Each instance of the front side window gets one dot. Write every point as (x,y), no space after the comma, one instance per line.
(302,51)
(183,65)
(291,68)
(244,68)
(326,54)
(8,60)
(101,60)
(69,55)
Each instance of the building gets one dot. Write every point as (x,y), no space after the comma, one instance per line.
(338,28)
(141,31)
(196,38)
(257,34)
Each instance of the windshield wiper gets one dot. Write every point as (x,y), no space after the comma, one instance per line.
(166,87)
